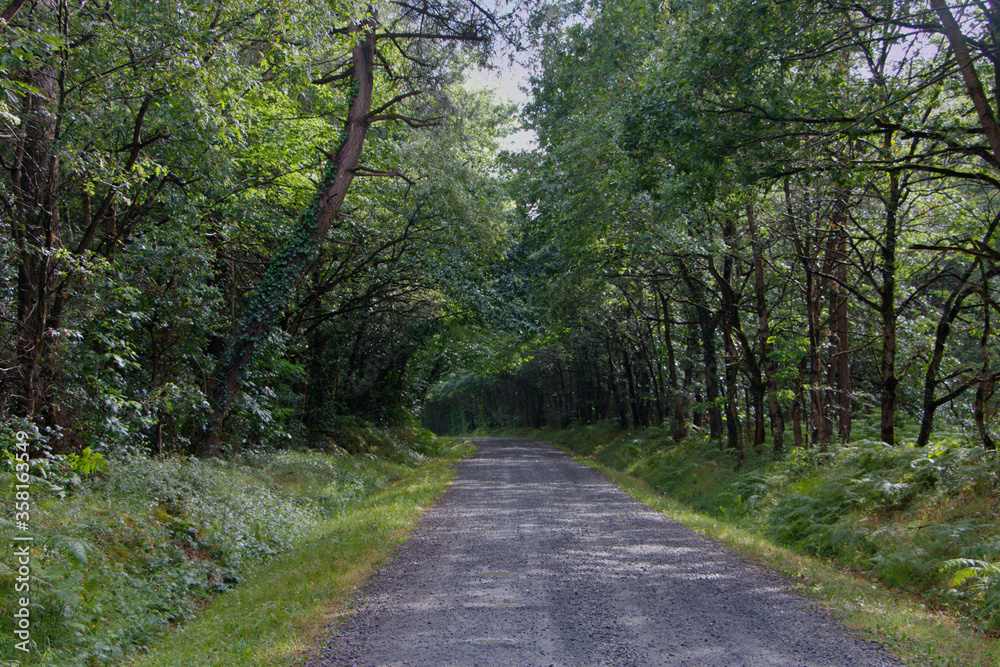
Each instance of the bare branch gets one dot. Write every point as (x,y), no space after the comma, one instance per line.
(331,77)
(412,122)
(394,101)
(462,37)
(365,171)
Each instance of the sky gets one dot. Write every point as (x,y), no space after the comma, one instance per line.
(506,83)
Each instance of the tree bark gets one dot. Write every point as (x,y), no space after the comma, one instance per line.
(764,335)
(677,401)
(615,388)
(986,386)
(730,325)
(950,311)
(806,248)
(286,271)
(635,408)
(973,84)
(840,360)
(36,230)
(887,307)
(730,320)
(706,328)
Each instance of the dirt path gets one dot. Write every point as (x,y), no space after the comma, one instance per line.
(533,559)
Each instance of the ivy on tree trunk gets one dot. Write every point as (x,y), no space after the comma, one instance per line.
(300,252)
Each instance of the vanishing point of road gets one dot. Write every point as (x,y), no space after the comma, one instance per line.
(532,559)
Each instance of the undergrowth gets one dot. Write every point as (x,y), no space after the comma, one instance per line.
(922,520)
(127,548)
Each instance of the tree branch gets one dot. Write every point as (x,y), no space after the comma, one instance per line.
(12,9)
(462,37)
(365,171)
(394,101)
(331,77)
(412,122)
(973,85)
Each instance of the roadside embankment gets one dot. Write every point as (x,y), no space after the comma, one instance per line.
(172,552)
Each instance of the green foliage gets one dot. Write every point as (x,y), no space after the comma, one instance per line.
(298,590)
(87,463)
(187,213)
(977,584)
(141,544)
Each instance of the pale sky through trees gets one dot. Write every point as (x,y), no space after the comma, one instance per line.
(506,81)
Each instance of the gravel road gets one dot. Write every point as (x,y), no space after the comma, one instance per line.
(532,559)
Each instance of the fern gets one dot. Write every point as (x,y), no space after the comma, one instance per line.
(87,462)
(980,580)
(982,573)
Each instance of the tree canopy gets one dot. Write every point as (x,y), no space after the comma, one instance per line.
(200,196)
(750,218)
(228,224)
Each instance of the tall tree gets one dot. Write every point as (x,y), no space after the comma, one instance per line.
(439,22)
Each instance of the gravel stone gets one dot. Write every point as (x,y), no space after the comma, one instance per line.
(531,559)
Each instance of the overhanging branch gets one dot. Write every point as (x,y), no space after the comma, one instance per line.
(415,123)
(394,101)
(365,171)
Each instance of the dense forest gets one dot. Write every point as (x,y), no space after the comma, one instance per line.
(763,220)
(225,226)
(230,224)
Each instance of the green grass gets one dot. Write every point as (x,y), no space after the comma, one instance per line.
(882,521)
(125,556)
(273,617)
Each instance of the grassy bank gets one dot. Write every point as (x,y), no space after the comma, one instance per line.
(128,557)
(284,607)
(902,541)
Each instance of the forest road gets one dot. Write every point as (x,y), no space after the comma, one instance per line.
(533,559)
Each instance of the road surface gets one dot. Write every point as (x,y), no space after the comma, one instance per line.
(532,559)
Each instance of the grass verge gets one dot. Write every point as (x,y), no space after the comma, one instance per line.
(917,632)
(282,610)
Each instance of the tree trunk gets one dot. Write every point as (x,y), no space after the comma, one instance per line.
(797,421)
(840,362)
(35,226)
(950,311)
(817,405)
(630,383)
(690,389)
(646,336)
(729,318)
(706,328)
(616,394)
(887,310)
(764,336)
(984,392)
(973,85)
(676,396)
(287,269)
(734,436)
(985,388)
